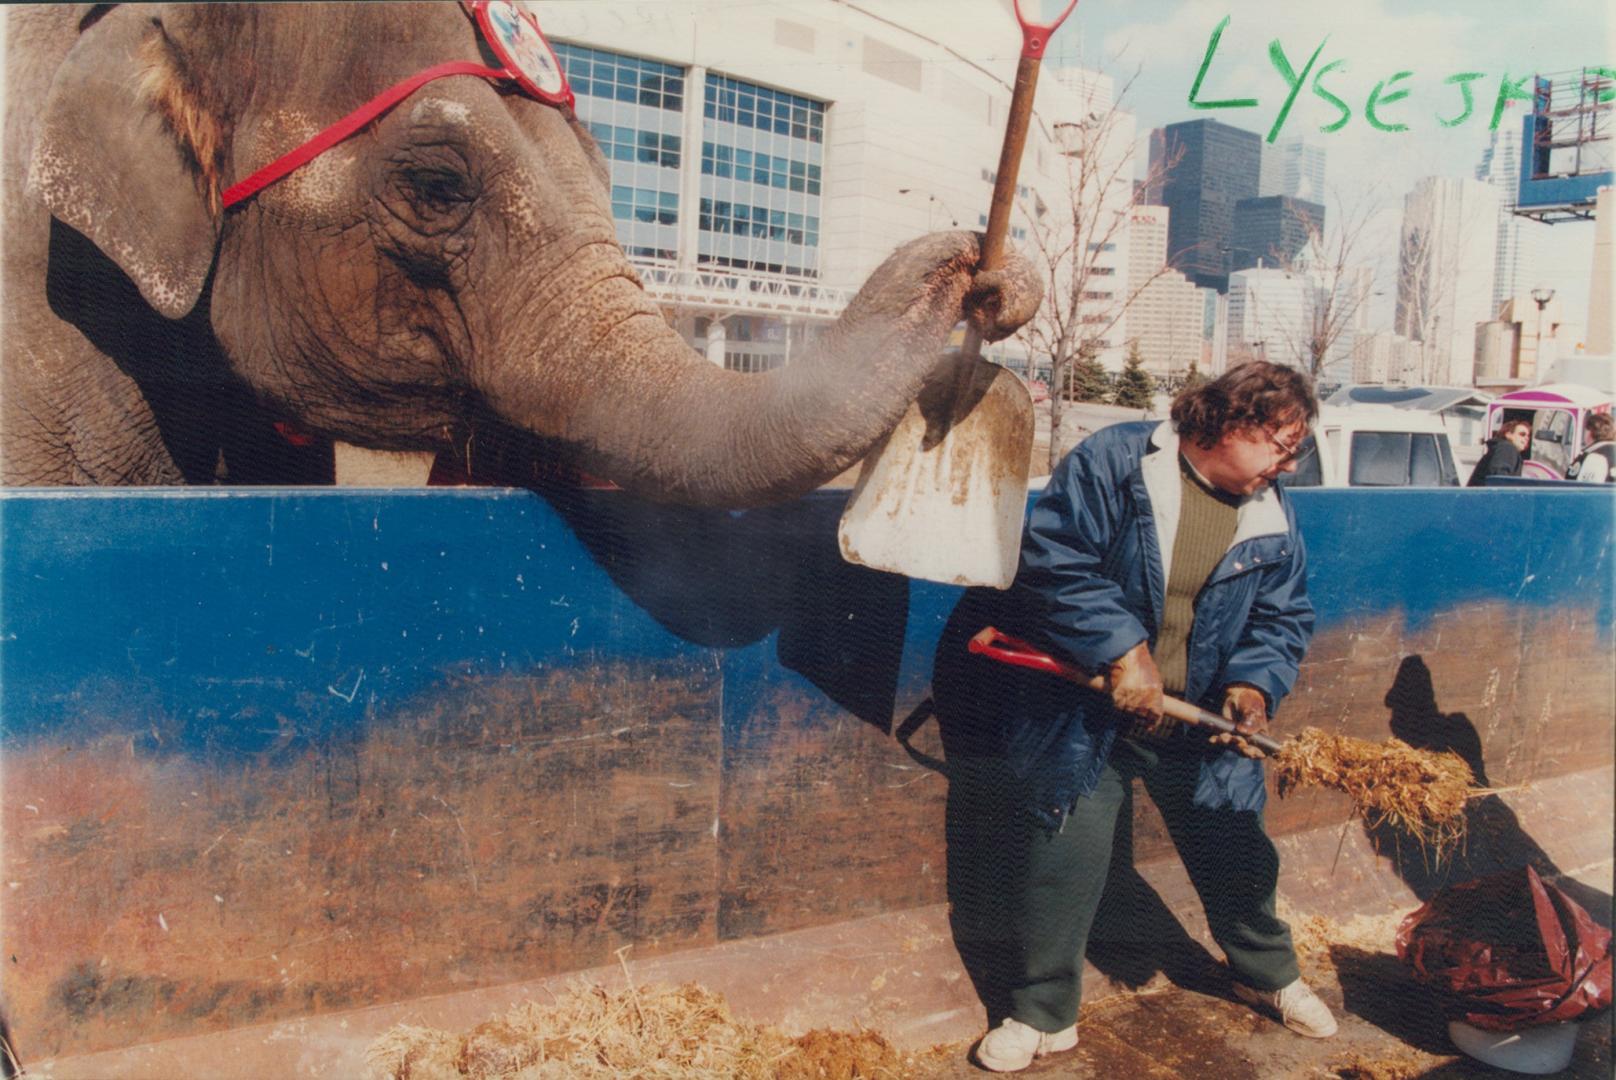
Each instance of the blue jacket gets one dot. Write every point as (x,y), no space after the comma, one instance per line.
(1091,586)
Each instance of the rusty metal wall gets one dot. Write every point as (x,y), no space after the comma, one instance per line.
(269,754)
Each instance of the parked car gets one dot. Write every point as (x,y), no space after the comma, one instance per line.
(1463,410)
(1376,446)
(1558,413)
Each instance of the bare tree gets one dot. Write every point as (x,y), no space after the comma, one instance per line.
(1086,294)
(1431,263)
(1422,288)
(1340,280)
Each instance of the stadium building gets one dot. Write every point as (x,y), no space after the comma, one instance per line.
(766,158)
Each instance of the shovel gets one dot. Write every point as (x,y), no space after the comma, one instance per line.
(943,497)
(995,645)
(1421,792)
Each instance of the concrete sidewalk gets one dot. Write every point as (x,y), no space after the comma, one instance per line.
(1390,1030)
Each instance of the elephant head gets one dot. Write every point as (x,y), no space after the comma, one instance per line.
(452,268)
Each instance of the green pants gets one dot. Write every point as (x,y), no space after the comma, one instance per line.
(1036,890)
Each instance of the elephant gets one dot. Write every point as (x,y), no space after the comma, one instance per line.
(447,280)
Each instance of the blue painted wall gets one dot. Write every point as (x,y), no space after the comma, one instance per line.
(226,608)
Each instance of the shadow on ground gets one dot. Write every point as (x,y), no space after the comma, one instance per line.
(1378,988)
(1494,838)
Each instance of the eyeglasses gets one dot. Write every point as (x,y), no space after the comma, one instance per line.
(1288,453)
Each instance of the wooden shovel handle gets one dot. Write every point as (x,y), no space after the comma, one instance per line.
(996,645)
(1034,38)
(1015,144)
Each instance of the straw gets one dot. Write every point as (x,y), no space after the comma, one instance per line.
(677,1033)
(1420,792)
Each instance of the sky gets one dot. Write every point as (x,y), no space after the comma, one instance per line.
(1161,46)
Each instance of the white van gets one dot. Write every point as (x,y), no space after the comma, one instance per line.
(1377,446)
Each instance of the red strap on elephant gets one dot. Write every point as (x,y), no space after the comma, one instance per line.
(511,33)
(345,127)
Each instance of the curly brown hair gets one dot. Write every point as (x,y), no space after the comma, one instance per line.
(1601,428)
(1254,394)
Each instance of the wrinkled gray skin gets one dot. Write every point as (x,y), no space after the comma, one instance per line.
(449,273)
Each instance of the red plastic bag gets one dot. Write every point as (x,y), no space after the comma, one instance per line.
(1508,951)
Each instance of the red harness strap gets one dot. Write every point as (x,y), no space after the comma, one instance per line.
(349,124)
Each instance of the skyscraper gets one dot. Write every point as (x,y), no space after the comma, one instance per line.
(1500,167)
(1272,230)
(1203,167)
(1271,316)
(1164,319)
(1344,320)
(1147,241)
(1445,274)
(1293,167)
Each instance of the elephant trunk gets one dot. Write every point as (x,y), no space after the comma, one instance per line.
(609,377)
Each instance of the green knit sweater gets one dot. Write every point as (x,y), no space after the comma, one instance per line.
(1206,524)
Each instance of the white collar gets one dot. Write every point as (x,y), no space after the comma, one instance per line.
(1258,515)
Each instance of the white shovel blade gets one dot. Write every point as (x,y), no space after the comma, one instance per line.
(952,512)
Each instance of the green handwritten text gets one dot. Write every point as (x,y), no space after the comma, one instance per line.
(1400,88)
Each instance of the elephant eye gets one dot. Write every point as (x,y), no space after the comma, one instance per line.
(438,189)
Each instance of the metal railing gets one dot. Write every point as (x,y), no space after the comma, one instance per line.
(750,291)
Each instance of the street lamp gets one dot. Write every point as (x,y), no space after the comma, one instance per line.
(1541,297)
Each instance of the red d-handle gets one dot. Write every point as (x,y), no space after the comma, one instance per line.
(1035,36)
(997,645)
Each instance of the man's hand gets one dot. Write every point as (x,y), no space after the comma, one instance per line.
(1136,687)
(1247,707)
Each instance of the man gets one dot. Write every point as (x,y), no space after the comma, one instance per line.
(1165,556)
(1597,462)
(1506,453)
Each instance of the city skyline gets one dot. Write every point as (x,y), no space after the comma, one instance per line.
(1161,47)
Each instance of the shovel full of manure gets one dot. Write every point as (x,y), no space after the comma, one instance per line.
(1419,791)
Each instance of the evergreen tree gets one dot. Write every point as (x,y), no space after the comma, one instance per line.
(1087,381)
(1193,379)
(1135,387)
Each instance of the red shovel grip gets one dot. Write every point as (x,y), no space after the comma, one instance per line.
(997,645)
(1035,36)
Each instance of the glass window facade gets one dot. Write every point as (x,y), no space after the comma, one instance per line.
(731,101)
(635,110)
(1016,231)
(762,161)
(1214,166)
(759,222)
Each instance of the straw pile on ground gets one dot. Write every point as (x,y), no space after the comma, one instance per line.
(1406,1065)
(1420,792)
(677,1033)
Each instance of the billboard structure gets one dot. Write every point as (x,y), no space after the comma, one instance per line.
(1567,141)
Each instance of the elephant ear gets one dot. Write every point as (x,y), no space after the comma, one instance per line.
(115,159)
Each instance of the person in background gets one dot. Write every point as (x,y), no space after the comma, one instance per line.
(1506,452)
(1597,462)
(1164,556)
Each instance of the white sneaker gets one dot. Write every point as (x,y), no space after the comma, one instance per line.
(1298,1006)
(1012,1045)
